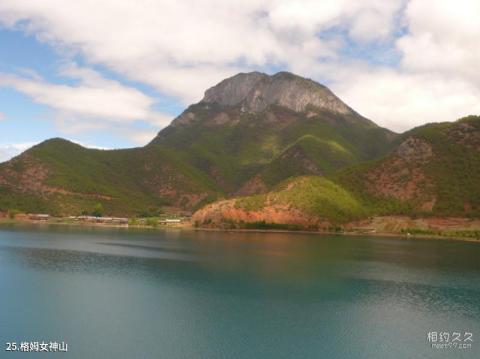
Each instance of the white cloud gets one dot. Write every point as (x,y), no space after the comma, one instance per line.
(401,101)
(93,104)
(94,96)
(7,151)
(365,20)
(183,47)
(443,37)
(2,116)
(140,137)
(95,147)
(438,78)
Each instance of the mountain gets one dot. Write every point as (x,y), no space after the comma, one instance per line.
(252,131)
(249,133)
(63,178)
(433,170)
(306,202)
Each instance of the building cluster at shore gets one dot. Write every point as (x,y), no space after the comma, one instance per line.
(124,220)
(117,221)
(104,220)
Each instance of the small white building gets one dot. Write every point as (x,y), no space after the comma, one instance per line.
(172,220)
(38,217)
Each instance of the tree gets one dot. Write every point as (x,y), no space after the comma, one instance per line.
(12,213)
(98,210)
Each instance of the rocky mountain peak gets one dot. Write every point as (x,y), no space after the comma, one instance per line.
(233,90)
(255,91)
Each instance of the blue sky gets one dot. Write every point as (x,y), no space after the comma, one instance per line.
(111,74)
(26,121)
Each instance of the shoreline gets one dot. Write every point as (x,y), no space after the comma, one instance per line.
(190,227)
(346,234)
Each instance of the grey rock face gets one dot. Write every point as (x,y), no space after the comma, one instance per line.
(234,90)
(415,150)
(185,118)
(466,134)
(256,91)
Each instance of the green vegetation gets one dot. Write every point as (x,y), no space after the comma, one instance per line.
(374,204)
(277,144)
(315,196)
(12,213)
(153,222)
(451,175)
(475,234)
(133,221)
(278,226)
(212,152)
(98,210)
(76,180)
(187,166)
(456,170)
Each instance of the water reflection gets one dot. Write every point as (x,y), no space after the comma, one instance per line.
(222,295)
(325,268)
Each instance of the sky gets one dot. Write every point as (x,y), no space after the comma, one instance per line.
(112,73)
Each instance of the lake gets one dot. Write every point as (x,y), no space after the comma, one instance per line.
(117,293)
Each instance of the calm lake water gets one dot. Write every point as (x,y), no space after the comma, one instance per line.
(152,294)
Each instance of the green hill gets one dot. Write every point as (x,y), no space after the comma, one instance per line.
(248,134)
(315,196)
(259,134)
(288,146)
(61,177)
(434,170)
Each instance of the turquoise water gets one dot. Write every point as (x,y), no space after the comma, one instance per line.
(150,294)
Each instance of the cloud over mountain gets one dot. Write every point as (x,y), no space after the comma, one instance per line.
(390,59)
